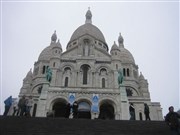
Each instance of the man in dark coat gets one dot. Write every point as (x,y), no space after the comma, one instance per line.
(22,106)
(146,111)
(132,111)
(68,110)
(172,120)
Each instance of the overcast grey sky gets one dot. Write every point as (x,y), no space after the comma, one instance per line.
(150,31)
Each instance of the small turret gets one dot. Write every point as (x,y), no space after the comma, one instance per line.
(141,77)
(59,45)
(28,77)
(143,83)
(114,47)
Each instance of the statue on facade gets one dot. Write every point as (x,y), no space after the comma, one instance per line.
(48,74)
(120,77)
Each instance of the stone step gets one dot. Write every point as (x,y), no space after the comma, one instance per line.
(60,126)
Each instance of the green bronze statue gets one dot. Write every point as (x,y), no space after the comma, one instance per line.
(120,77)
(48,74)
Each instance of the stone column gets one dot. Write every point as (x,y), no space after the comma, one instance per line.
(124,103)
(41,106)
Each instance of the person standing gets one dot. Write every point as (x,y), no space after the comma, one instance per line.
(146,111)
(29,103)
(132,112)
(68,110)
(172,120)
(75,110)
(15,107)
(8,103)
(22,106)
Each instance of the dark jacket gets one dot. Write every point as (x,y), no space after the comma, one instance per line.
(8,101)
(172,120)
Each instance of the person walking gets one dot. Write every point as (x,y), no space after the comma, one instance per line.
(172,120)
(22,106)
(146,111)
(75,109)
(132,112)
(8,103)
(15,107)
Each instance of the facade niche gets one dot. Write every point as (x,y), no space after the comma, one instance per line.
(86,48)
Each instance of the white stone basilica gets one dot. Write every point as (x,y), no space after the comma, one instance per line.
(87,70)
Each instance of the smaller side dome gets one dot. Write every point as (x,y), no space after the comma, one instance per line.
(54,37)
(59,45)
(46,54)
(124,54)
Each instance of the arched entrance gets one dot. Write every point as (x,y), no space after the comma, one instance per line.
(84,110)
(59,108)
(106,111)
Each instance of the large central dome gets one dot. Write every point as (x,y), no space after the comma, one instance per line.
(88,29)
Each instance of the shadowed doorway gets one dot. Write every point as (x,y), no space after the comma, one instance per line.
(106,111)
(59,109)
(84,110)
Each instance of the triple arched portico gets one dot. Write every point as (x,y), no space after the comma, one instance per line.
(107,108)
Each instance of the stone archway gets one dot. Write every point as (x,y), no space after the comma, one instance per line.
(106,111)
(84,110)
(59,108)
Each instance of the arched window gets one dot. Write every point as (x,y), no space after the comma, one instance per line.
(103,83)
(44,70)
(124,71)
(103,71)
(85,69)
(66,82)
(128,72)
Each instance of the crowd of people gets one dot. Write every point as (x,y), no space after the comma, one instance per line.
(21,108)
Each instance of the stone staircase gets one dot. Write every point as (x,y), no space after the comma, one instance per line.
(60,126)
